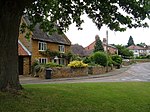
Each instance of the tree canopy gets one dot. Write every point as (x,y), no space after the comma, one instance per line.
(130,41)
(63,13)
(98,45)
(124,52)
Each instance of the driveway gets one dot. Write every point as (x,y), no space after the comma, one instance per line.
(136,72)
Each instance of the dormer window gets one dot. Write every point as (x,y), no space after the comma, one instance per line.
(61,48)
(42,46)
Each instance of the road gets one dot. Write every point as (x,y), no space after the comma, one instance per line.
(136,72)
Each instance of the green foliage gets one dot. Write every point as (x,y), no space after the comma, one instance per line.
(52,54)
(148,56)
(110,61)
(37,67)
(76,57)
(100,58)
(98,45)
(86,60)
(124,52)
(51,64)
(130,41)
(77,64)
(48,12)
(142,44)
(117,60)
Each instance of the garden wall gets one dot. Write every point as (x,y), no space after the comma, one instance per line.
(140,60)
(67,72)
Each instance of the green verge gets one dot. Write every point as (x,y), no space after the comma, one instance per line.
(79,97)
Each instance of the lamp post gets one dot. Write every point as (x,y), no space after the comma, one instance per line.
(107,50)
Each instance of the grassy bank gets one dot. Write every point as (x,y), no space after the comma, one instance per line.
(79,97)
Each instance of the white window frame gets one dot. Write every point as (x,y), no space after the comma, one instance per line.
(61,48)
(42,46)
(43,60)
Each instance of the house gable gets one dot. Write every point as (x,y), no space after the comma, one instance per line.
(112,50)
(22,50)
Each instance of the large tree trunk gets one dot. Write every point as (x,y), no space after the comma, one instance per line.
(10,16)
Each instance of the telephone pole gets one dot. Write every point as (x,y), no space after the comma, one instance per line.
(107,49)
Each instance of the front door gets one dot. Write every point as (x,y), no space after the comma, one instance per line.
(20,65)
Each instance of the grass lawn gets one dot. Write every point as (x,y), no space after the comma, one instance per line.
(80,97)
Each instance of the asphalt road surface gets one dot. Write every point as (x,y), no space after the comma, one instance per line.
(136,72)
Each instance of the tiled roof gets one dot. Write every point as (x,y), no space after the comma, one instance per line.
(38,34)
(22,51)
(78,50)
(134,47)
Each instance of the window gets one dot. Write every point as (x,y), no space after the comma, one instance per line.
(43,60)
(136,51)
(42,46)
(61,48)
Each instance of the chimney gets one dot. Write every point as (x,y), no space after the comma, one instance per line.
(96,37)
(104,40)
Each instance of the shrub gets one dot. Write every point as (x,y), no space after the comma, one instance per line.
(110,61)
(148,56)
(51,64)
(37,67)
(117,60)
(86,60)
(100,58)
(77,64)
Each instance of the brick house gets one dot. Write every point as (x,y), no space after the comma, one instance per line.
(24,57)
(111,49)
(40,42)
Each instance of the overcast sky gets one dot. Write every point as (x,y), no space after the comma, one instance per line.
(87,35)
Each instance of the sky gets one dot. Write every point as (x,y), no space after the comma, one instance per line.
(87,35)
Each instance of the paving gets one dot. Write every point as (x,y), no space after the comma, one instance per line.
(135,72)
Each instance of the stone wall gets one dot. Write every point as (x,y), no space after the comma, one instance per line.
(98,70)
(140,60)
(66,72)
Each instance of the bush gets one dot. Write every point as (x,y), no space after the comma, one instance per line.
(51,64)
(100,58)
(117,60)
(37,67)
(148,56)
(86,60)
(77,64)
(110,61)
